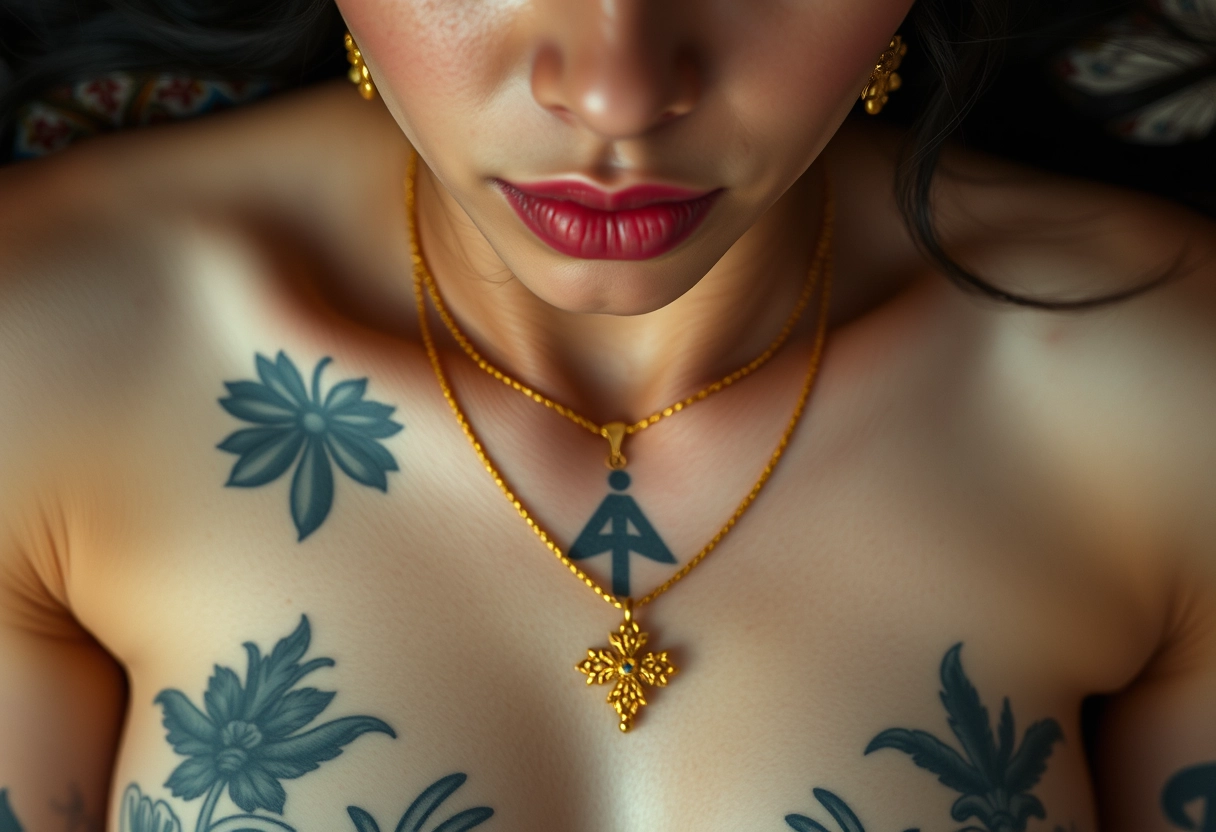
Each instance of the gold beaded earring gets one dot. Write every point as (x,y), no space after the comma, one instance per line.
(885,80)
(359,74)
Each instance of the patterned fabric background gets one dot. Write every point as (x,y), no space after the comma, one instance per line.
(1158,65)
(121,100)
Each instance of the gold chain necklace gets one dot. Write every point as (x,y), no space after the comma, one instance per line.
(615,432)
(621,666)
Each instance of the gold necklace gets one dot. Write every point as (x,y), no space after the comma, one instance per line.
(621,666)
(615,432)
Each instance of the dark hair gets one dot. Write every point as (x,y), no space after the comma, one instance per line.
(964,44)
(45,43)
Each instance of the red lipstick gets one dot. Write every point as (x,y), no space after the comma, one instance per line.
(582,221)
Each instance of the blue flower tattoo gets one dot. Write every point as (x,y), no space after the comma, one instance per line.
(253,735)
(341,426)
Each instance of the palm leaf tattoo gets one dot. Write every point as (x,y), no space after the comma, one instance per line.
(845,818)
(837,808)
(993,777)
(420,811)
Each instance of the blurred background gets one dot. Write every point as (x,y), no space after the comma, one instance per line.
(1117,90)
(1123,92)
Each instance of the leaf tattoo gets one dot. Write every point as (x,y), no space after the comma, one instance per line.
(8,820)
(845,818)
(424,806)
(316,430)
(836,807)
(139,814)
(993,777)
(252,735)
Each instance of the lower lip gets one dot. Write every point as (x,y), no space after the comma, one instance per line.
(591,234)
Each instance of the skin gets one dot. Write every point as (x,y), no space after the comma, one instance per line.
(1036,486)
(628,94)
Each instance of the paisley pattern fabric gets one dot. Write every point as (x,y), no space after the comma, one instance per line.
(121,100)
(1154,71)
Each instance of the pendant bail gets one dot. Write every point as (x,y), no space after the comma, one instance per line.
(615,432)
(627,608)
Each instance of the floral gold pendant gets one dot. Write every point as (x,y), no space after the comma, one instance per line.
(623,668)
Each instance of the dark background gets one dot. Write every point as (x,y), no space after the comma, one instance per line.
(1027,114)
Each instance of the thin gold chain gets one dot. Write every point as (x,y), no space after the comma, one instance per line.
(808,384)
(808,289)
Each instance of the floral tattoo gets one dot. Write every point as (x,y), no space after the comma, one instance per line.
(293,425)
(254,733)
(994,775)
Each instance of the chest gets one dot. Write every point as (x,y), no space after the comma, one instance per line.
(867,604)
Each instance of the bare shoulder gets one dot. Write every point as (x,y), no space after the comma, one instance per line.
(1117,401)
(1139,373)
(1112,408)
(1127,391)
(1029,231)
(127,265)
(77,317)
(86,293)
(1053,238)
(99,245)
(77,285)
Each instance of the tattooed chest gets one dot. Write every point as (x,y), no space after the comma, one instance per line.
(450,715)
(264,745)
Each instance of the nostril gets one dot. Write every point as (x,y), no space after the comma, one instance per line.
(546,80)
(618,87)
(687,82)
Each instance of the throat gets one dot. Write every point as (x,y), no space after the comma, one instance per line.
(616,367)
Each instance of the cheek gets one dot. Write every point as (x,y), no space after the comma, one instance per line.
(791,75)
(436,63)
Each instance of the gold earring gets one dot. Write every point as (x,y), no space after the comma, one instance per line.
(359,74)
(885,80)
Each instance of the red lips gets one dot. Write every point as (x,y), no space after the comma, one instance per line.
(583,221)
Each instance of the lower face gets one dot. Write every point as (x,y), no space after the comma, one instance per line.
(612,152)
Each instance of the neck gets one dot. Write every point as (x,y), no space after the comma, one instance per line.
(622,368)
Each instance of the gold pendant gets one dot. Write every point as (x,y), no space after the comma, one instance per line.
(625,671)
(614,432)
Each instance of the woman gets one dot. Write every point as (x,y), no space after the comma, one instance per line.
(985,514)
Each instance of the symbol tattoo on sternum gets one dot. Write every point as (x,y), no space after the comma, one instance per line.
(619,526)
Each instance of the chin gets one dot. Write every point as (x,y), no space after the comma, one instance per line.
(620,288)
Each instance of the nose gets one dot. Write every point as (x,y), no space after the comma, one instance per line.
(619,67)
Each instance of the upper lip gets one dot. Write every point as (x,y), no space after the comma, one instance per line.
(590,196)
